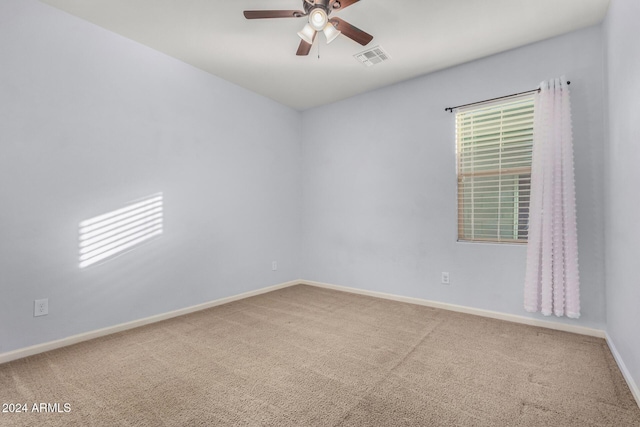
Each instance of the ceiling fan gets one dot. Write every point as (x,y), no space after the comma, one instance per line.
(318,12)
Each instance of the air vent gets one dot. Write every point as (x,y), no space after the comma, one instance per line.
(372,56)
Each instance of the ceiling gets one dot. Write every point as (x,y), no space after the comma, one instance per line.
(420,36)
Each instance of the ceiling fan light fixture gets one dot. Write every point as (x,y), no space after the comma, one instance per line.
(317,13)
(307,33)
(318,19)
(330,32)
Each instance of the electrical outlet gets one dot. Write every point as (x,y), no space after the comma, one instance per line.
(445,278)
(41,307)
(274,265)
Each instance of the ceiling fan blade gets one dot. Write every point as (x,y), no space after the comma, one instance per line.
(304,48)
(260,14)
(343,4)
(354,33)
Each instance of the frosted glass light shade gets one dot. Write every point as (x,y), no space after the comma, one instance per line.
(307,33)
(318,19)
(330,32)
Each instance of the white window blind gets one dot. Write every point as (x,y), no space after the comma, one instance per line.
(494,151)
(107,235)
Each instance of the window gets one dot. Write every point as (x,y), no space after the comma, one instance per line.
(494,150)
(107,235)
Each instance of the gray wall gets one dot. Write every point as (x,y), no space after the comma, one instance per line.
(379,210)
(621,181)
(89,121)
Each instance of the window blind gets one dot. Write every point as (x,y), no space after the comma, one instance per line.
(494,151)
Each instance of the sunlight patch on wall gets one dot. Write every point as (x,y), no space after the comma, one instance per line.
(107,235)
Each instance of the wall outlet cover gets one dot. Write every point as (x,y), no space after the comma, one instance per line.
(445,278)
(41,307)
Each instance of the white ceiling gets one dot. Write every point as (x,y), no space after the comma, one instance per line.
(420,36)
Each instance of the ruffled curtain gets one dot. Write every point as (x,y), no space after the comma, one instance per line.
(552,283)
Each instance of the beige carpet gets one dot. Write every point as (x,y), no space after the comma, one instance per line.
(305,356)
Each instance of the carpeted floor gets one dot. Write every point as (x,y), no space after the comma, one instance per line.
(306,356)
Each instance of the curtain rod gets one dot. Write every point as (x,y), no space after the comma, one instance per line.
(450,109)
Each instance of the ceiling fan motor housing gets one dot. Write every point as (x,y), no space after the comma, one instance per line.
(309,5)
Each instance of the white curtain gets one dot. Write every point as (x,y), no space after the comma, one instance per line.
(552,283)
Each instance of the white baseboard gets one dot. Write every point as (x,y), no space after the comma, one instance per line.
(582,330)
(52,345)
(623,368)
